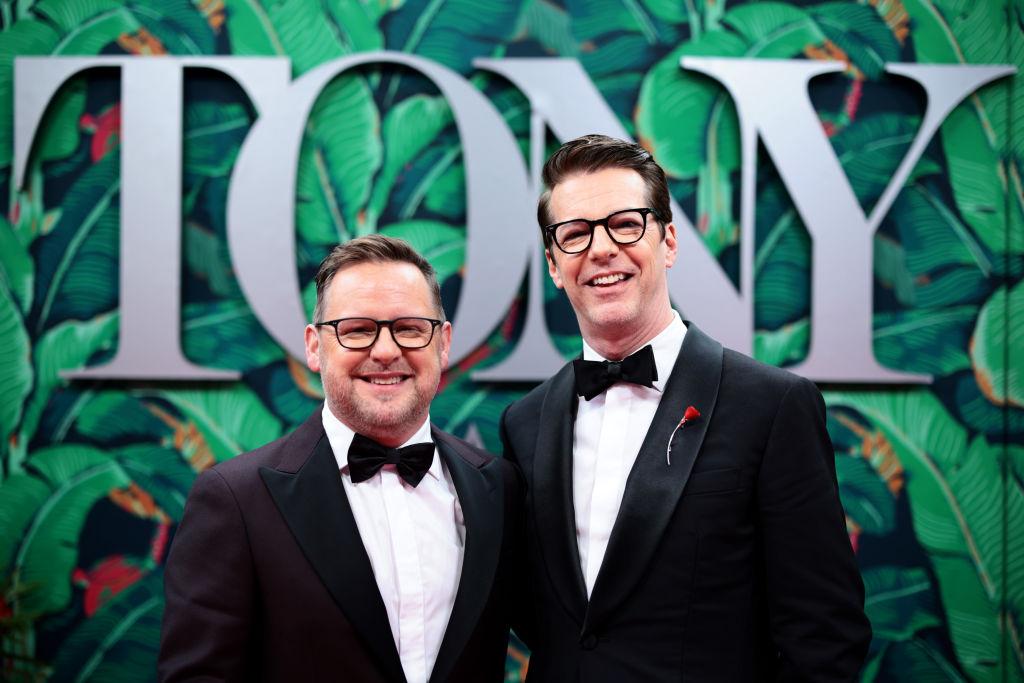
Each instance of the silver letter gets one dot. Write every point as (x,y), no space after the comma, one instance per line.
(261,205)
(149,345)
(841,308)
(566,100)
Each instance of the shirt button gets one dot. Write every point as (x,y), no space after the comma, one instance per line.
(588,642)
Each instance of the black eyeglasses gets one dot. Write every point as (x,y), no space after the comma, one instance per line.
(623,227)
(362,333)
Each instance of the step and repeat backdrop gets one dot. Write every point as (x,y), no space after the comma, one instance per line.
(846,179)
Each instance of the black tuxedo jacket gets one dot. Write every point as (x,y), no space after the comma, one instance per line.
(732,563)
(268,578)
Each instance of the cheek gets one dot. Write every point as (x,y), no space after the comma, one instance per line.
(336,367)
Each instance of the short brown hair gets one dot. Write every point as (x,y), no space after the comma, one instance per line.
(372,249)
(592,153)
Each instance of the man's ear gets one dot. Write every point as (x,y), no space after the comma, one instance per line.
(446,343)
(312,348)
(556,277)
(671,246)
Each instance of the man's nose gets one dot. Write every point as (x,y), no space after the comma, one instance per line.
(602,246)
(385,350)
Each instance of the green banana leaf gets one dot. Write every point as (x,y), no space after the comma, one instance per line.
(997,368)
(950,484)
(226,334)
(341,151)
(441,244)
(929,341)
(17,270)
(15,365)
(232,419)
(900,602)
(76,478)
(109,417)
(686,119)
(119,643)
(409,127)
(75,261)
(866,498)
(860,32)
(68,346)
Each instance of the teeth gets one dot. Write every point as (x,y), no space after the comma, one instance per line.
(608,279)
(385,380)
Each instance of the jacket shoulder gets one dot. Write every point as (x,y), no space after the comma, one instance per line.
(474,455)
(529,406)
(300,440)
(744,372)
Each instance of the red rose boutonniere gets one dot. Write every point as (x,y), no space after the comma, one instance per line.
(691,414)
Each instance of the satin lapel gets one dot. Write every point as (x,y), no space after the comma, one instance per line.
(481,497)
(313,504)
(653,488)
(553,510)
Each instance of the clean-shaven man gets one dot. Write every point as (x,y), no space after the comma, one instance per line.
(367,545)
(682,516)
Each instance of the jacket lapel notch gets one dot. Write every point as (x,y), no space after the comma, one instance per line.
(654,486)
(554,513)
(313,503)
(482,504)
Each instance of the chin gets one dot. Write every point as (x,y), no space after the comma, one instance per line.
(377,416)
(614,317)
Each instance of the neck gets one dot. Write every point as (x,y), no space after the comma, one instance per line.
(614,343)
(391,438)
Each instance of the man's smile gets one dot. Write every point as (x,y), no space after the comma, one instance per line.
(607,279)
(385,378)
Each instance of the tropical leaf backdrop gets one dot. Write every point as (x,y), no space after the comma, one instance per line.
(94,475)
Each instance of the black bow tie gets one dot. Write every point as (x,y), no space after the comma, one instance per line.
(366,457)
(593,377)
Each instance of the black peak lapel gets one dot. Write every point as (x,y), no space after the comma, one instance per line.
(654,487)
(481,497)
(554,514)
(313,504)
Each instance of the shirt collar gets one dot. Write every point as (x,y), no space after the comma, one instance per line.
(340,436)
(666,345)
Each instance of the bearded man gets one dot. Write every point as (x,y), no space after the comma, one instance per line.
(367,545)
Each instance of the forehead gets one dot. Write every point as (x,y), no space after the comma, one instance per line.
(597,194)
(378,290)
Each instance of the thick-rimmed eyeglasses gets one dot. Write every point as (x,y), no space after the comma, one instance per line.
(362,333)
(623,227)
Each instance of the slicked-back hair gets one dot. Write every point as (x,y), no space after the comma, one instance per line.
(592,153)
(372,249)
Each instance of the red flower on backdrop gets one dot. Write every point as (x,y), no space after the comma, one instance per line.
(106,130)
(107,579)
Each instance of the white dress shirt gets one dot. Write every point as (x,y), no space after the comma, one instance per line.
(610,429)
(415,537)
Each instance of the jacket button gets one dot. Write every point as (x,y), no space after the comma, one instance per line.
(588,642)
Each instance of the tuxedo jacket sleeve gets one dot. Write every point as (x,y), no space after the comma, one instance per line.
(209,618)
(731,563)
(268,580)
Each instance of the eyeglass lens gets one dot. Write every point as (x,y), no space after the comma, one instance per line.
(410,333)
(624,227)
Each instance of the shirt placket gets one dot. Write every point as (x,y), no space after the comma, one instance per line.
(604,503)
(405,551)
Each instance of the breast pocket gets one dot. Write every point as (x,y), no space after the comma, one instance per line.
(712,481)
